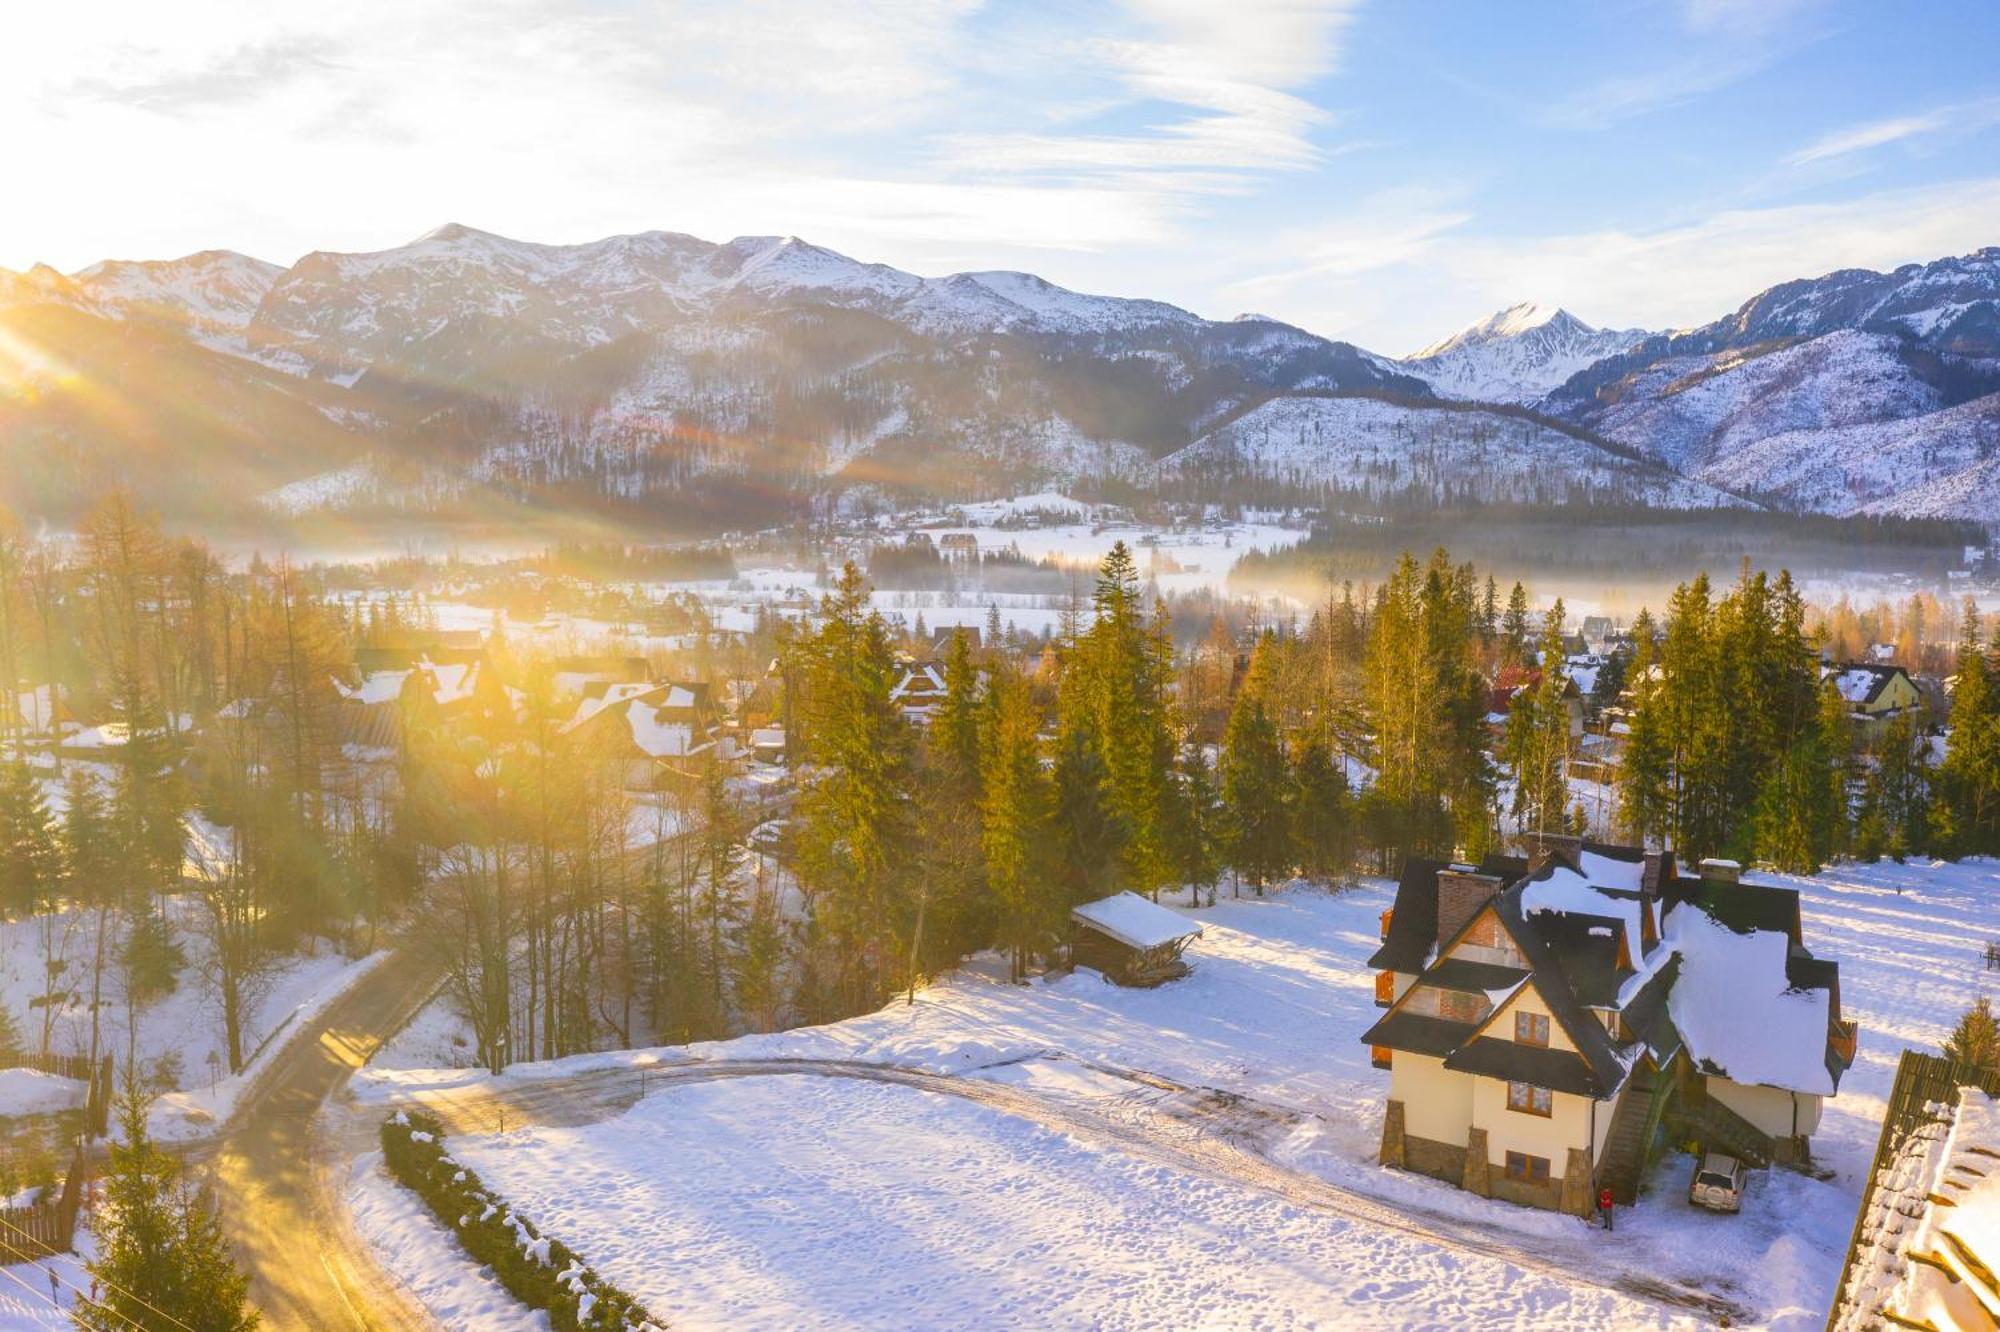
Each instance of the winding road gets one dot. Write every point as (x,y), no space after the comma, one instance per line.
(283,1161)
(280,1173)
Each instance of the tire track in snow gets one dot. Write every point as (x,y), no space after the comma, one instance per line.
(1203,1131)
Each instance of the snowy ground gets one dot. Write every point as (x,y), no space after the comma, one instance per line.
(185,1024)
(885,1206)
(1279,993)
(426,1261)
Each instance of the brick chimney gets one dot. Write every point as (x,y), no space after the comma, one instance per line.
(1659,868)
(1461,892)
(1544,847)
(1723,871)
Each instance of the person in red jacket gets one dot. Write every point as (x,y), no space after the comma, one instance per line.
(1604,1206)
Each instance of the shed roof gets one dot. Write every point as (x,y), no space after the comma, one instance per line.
(1134,921)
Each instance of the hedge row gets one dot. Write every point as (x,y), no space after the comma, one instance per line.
(541,1272)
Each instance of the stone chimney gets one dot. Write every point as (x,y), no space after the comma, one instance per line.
(1723,871)
(1461,892)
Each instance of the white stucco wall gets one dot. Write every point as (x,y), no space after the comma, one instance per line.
(1437,1103)
(1769,1108)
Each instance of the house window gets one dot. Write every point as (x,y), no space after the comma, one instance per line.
(1531,1028)
(1454,1006)
(1527,1169)
(1530,1100)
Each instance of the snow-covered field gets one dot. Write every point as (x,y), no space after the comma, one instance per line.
(1179,560)
(925,1207)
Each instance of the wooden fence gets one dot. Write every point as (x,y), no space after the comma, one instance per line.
(45,1228)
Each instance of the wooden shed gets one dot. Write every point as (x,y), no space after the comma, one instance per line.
(1130,940)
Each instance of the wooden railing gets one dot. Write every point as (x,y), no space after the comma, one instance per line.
(1387,916)
(1385,988)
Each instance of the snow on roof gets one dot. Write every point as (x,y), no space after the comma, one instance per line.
(613,694)
(452,682)
(1854,684)
(27,1091)
(1611,872)
(1135,921)
(654,737)
(1737,1011)
(1566,892)
(375,687)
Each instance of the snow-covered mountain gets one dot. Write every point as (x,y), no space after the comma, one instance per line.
(661,370)
(1839,393)
(659,375)
(1431,454)
(1939,464)
(213,294)
(1516,355)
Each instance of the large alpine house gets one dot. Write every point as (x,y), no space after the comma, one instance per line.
(1549,1014)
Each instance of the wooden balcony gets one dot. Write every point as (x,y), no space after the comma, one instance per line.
(1387,916)
(1843,1039)
(1385,988)
(1378,1055)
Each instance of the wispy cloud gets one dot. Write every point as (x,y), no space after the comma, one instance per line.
(1961,118)
(1222,85)
(236,77)
(1720,43)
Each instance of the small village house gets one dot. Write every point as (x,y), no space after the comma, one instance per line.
(1874,692)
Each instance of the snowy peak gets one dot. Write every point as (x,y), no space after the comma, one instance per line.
(1511,322)
(1515,355)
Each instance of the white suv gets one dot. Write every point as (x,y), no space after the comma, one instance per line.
(1717,1183)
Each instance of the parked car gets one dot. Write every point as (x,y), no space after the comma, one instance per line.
(1717,1184)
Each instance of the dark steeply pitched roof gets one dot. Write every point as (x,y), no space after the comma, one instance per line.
(1585,949)
(1456,973)
(1418,1033)
(1557,1070)
(1413,927)
(1646,1012)
(1740,907)
(1586,1032)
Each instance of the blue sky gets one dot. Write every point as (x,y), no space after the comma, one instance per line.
(1384,172)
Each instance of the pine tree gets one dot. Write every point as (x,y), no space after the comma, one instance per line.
(1256,779)
(87,847)
(161,1250)
(1537,742)
(31,868)
(1127,670)
(1974,1044)
(956,728)
(1323,824)
(1197,826)
(1801,808)
(1968,798)
(1514,628)
(854,829)
(1015,814)
(1644,804)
